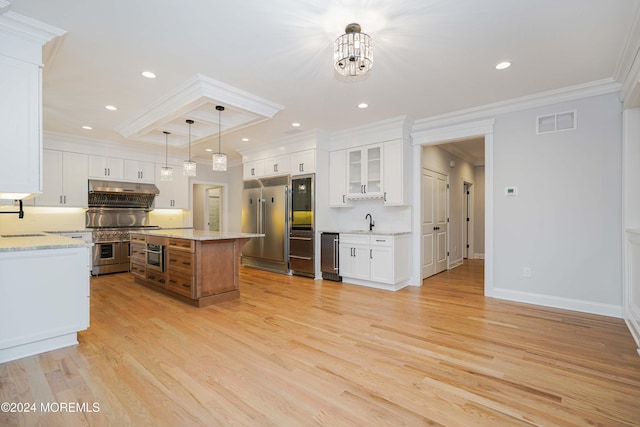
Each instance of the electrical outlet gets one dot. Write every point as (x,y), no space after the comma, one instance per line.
(526,272)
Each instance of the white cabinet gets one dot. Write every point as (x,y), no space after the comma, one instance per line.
(303,162)
(174,194)
(380,261)
(45,300)
(279,165)
(253,170)
(337,179)
(364,172)
(65,179)
(20,127)
(106,168)
(135,170)
(394,185)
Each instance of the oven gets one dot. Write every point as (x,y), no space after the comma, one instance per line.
(155,255)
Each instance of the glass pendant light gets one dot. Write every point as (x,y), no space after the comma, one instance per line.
(189,166)
(219,159)
(166,173)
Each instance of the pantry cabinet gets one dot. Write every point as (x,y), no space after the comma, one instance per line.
(110,168)
(380,261)
(65,179)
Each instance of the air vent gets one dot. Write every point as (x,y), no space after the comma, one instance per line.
(556,122)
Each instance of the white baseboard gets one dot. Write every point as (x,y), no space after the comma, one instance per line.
(456,263)
(632,317)
(478,256)
(559,302)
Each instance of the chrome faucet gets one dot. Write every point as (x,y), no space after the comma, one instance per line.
(371,223)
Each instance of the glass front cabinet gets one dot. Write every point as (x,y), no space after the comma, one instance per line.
(364,172)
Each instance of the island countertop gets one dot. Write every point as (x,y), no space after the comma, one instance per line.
(201,235)
(37,241)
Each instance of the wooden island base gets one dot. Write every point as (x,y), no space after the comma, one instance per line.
(200,267)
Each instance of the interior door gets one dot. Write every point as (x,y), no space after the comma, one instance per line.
(251,199)
(434,223)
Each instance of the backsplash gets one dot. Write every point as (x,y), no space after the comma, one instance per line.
(386,218)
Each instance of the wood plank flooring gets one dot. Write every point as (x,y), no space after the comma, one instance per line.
(297,352)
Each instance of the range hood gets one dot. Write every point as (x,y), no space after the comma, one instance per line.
(100,186)
(117,194)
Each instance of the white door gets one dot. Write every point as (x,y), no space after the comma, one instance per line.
(434,223)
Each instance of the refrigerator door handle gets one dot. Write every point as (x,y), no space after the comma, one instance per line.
(263,219)
(259,216)
(335,255)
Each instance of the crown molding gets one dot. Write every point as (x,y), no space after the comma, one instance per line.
(191,98)
(311,139)
(569,93)
(27,28)
(383,130)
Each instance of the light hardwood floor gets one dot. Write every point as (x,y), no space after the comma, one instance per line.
(298,352)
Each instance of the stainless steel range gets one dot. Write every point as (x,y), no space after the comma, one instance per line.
(115,210)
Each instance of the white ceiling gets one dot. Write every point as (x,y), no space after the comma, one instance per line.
(430,57)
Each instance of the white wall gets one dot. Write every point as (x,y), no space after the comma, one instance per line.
(565,222)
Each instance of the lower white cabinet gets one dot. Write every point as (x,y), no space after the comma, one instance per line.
(45,300)
(379,261)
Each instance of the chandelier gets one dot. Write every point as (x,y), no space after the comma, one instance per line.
(219,158)
(352,53)
(166,172)
(189,166)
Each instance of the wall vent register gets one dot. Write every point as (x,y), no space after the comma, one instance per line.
(556,122)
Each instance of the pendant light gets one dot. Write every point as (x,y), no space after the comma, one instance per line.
(189,166)
(166,173)
(219,158)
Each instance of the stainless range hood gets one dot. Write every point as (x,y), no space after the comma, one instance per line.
(100,186)
(117,194)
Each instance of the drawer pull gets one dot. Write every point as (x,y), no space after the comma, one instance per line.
(186,263)
(173,260)
(185,285)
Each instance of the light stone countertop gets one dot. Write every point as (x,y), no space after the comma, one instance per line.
(373,232)
(37,241)
(197,234)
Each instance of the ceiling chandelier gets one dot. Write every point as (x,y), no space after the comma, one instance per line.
(166,173)
(189,166)
(219,158)
(352,52)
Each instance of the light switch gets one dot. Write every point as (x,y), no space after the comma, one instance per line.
(510,191)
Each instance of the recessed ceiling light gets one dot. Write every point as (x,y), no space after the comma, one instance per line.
(503,65)
(245,139)
(363,105)
(149,74)
(208,150)
(110,107)
(87,127)
(295,124)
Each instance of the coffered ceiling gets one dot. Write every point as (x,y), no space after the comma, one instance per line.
(430,57)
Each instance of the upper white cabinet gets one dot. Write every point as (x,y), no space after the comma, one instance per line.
(135,170)
(252,170)
(174,194)
(369,172)
(338,179)
(364,172)
(65,179)
(303,162)
(394,185)
(279,165)
(20,126)
(106,168)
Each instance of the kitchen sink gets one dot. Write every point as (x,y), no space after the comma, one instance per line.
(23,235)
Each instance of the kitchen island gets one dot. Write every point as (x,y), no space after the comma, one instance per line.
(196,266)
(44,289)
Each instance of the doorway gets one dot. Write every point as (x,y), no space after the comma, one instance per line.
(214,208)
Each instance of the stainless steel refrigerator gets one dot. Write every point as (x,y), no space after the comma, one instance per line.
(265,210)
